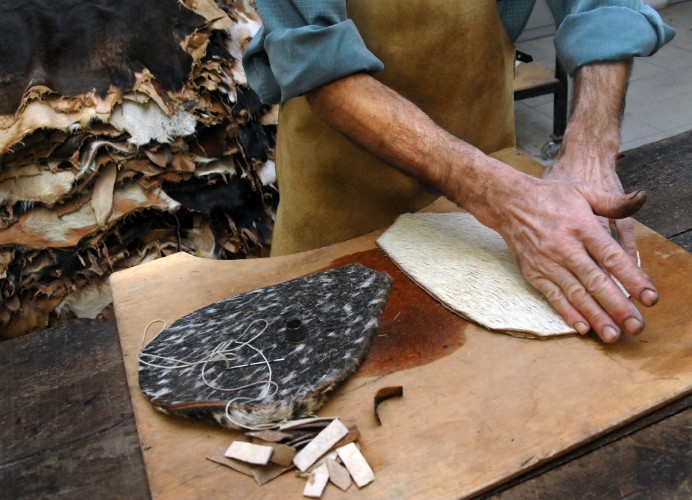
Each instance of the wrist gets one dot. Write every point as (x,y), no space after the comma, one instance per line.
(580,149)
(484,187)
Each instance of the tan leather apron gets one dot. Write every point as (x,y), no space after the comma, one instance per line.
(450,57)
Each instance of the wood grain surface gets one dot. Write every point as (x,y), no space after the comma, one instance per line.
(663,169)
(488,409)
(66,420)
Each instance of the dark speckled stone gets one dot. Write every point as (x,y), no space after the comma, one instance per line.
(338,311)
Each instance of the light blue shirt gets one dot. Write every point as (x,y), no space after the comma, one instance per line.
(306,43)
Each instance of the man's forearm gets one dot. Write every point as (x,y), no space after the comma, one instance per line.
(394,129)
(593,131)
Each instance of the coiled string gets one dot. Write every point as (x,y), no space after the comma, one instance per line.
(226,351)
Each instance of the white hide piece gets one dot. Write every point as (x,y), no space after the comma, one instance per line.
(87,302)
(469,268)
(43,187)
(146,123)
(44,228)
(40,114)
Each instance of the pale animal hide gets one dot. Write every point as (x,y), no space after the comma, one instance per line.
(44,187)
(40,114)
(469,268)
(146,123)
(87,302)
(43,228)
(102,196)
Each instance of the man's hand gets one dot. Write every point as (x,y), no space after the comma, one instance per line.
(587,157)
(550,225)
(566,253)
(602,179)
(559,228)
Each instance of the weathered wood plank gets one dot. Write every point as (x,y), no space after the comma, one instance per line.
(683,240)
(586,460)
(66,425)
(663,170)
(653,463)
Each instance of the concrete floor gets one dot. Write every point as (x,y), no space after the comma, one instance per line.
(659,99)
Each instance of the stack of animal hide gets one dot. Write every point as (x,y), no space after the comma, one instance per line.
(127,132)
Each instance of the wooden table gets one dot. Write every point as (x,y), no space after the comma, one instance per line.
(68,427)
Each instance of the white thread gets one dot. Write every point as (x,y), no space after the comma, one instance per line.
(144,333)
(222,352)
(255,364)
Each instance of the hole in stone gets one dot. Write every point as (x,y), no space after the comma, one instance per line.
(295,331)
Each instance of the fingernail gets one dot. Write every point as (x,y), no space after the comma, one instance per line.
(581,327)
(633,326)
(648,297)
(639,195)
(610,334)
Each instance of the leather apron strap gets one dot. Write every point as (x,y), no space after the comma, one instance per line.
(453,59)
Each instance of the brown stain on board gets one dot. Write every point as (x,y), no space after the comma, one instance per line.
(414,330)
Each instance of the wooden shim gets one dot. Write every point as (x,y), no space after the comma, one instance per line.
(356,464)
(262,473)
(352,436)
(217,454)
(283,455)
(307,422)
(249,452)
(316,483)
(270,436)
(322,443)
(338,474)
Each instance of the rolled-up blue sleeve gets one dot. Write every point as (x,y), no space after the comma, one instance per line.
(591,31)
(304,44)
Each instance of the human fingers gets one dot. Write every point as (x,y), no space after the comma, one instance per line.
(624,228)
(612,257)
(609,254)
(594,294)
(557,299)
(613,206)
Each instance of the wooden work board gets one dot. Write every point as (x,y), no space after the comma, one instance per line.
(478,408)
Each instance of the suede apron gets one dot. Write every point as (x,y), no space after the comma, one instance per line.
(453,59)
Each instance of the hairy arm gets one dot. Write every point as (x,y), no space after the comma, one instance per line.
(548,224)
(592,139)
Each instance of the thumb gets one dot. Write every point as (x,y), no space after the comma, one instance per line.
(614,206)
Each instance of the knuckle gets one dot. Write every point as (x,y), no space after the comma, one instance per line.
(554,295)
(622,310)
(576,293)
(612,259)
(574,259)
(597,281)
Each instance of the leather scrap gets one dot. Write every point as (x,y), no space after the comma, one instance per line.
(384,394)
